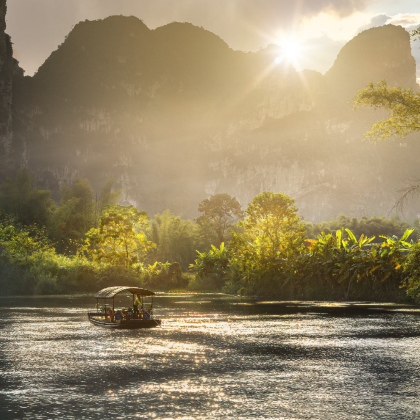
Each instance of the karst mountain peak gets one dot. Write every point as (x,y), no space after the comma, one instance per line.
(175,115)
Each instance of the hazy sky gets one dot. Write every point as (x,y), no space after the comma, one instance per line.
(317,28)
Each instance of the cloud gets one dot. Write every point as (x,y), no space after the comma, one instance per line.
(407,21)
(380,20)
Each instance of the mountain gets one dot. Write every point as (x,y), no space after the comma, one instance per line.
(9,69)
(174,115)
(375,54)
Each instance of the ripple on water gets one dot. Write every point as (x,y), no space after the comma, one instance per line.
(232,363)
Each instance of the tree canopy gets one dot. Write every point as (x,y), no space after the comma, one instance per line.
(29,205)
(174,238)
(404,117)
(120,238)
(221,211)
(416,34)
(272,234)
(403,104)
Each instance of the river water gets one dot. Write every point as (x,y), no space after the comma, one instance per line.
(215,356)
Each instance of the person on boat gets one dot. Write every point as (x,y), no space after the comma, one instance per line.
(111,314)
(128,314)
(136,306)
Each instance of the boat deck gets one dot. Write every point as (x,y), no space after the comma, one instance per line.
(99,320)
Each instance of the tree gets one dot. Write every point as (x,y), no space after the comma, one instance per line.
(29,205)
(174,238)
(272,237)
(411,268)
(404,118)
(75,215)
(108,197)
(79,212)
(416,34)
(403,104)
(120,238)
(21,242)
(221,211)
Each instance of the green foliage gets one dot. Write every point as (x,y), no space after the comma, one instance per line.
(30,265)
(75,215)
(269,259)
(79,212)
(19,242)
(403,105)
(19,198)
(271,240)
(416,34)
(221,211)
(164,276)
(23,249)
(373,226)
(211,266)
(120,238)
(108,197)
(174,237)
(339,264)
(268,255)
(411,268)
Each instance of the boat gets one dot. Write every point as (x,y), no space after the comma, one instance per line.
(107,316)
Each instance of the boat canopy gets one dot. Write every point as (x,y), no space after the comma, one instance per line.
(110,292)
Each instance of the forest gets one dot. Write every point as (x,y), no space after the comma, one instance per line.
(87,241)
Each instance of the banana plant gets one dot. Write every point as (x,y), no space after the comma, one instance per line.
(338,260)
(215,260)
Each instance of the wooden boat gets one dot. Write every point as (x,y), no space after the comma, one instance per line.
(107,316)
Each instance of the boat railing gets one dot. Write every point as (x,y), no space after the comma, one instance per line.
(96,314)
(146,314)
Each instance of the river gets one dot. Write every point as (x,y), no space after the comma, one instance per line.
(215,356)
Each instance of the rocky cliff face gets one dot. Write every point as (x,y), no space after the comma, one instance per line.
(8,70)
(5,85)
(175,115)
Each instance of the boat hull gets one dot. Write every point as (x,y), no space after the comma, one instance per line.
(132,324)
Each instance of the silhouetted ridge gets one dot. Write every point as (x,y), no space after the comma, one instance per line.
(175,115)
(191,36)
(101,61)
(374,55)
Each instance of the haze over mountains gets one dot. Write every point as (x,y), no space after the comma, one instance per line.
(174,115)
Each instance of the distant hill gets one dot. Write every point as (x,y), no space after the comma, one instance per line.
(174,115)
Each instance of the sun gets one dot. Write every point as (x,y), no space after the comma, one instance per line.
(289,49)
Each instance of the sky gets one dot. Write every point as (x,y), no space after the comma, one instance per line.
(312,32)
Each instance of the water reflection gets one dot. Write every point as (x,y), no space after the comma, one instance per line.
(212,358)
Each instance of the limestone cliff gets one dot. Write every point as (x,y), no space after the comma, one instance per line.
(175,115)
(374,55)
(8,70)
